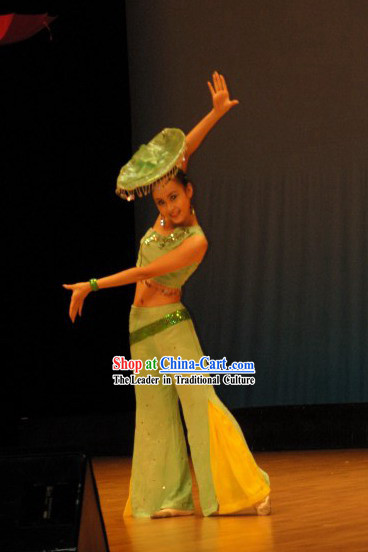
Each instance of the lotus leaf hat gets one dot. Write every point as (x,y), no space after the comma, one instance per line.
(154,163)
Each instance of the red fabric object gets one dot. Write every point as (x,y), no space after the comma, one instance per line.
(16,27)
(5,22)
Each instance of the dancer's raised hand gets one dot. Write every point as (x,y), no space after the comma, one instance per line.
(220,94)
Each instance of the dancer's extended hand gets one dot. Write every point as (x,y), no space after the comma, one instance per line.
(220,94)
(80,292)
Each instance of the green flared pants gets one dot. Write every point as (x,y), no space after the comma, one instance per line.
(227,476)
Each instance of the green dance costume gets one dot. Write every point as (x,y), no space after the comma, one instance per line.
(227,475)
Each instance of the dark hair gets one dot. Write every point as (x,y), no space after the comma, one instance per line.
(181,177)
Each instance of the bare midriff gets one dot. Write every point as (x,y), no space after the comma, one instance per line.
(149,293)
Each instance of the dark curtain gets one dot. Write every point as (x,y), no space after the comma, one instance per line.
(280,184)
(65,132)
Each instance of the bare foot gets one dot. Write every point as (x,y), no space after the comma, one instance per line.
(171,512)
(263,508)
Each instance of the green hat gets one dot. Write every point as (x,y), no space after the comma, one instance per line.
(153,163)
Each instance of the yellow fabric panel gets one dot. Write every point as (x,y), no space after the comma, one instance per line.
(128,506)
(238,480)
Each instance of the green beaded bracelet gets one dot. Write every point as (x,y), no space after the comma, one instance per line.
(93,284)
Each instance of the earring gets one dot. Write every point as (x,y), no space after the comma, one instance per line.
(162,221)
(192,211)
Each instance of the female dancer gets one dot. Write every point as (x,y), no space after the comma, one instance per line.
(229,480)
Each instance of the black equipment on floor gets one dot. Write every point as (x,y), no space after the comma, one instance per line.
(48,503)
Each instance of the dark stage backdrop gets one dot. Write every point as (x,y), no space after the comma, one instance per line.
(281,183)
(65,132)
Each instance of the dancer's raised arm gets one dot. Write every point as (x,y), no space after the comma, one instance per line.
(221,104)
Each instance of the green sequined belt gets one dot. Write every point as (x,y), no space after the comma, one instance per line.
(159,325)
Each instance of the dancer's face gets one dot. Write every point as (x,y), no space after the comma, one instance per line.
(173,201)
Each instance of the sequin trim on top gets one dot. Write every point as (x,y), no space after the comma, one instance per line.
(159,325)
(163,240)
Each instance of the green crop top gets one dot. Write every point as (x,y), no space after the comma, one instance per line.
(154,245)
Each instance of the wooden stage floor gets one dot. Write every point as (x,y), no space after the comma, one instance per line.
(319,503)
